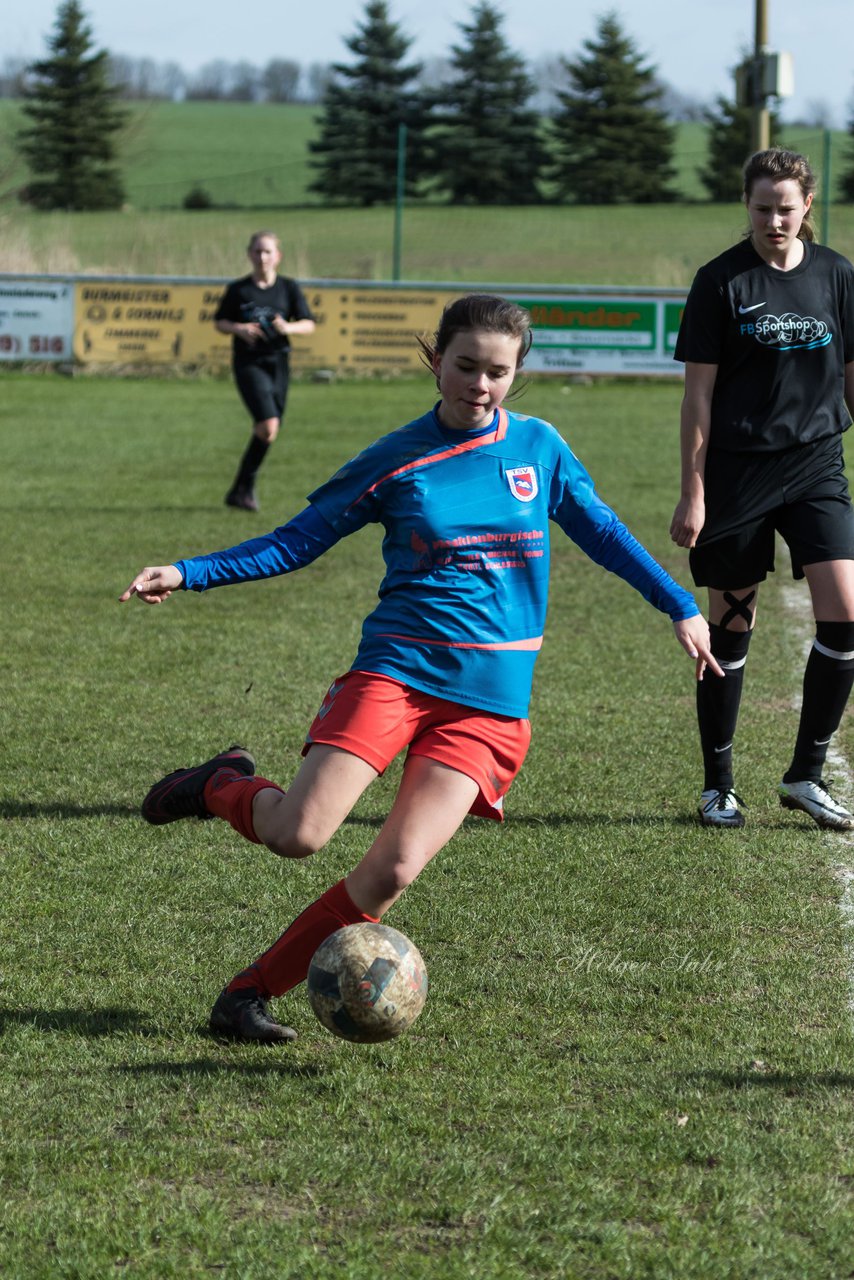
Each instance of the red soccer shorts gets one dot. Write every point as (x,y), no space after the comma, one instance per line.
(374,717)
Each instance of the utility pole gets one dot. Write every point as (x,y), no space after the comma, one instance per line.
(760,125)
(398,203)
(761,76)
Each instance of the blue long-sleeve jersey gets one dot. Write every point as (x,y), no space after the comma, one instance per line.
(462,605)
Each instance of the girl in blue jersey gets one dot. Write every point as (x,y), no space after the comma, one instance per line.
(768,343)
(465,495)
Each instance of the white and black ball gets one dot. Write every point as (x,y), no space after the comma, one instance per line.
(367,983)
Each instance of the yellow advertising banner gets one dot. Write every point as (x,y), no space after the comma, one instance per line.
(136,322)
(363,330)
(359,329)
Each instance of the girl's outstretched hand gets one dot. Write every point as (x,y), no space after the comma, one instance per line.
(693,635)
(154,585)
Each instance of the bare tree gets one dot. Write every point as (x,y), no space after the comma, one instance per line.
(318,79)
(244,82)
(210,82)
(435,72)
(125,74)
(679,106)
(120,72)
(12,77)
(173,80)
(280,80)
(143,78)
(549,76)
(818,114)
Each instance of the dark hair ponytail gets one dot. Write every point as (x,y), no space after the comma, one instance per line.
(479,311)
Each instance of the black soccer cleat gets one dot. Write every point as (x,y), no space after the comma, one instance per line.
(243,497)
(181,793)
(243,1015)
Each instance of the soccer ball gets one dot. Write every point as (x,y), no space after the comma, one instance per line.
(367,983)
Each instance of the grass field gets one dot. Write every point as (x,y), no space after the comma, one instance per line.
(636,1059)
(648,245)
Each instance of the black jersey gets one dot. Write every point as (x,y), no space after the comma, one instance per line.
(780,340)
(245,302)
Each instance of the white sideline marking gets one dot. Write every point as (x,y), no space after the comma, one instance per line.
(796,603)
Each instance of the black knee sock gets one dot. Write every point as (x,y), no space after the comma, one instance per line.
(717,705)
(255,453)
(828,679)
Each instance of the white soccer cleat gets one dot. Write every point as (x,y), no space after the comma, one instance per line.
(720,809)
(814,798)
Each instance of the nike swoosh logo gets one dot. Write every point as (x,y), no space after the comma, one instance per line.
(718,750)
(742,311)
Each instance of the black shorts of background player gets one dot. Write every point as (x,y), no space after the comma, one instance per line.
(261,311)
(767,337)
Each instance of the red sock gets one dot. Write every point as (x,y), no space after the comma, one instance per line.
(286,963)
(229,795)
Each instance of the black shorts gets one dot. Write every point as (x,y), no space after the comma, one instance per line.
(263,386)
(802,494)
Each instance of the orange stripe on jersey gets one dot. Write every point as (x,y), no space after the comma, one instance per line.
(533,645)
(491,437)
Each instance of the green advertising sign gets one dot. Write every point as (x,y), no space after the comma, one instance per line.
(603,333)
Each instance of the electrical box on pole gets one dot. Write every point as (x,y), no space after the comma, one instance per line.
(778,75)
(770,75)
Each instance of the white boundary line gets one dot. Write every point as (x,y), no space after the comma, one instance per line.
(796,604)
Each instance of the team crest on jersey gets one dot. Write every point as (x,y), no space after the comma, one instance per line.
(523,482)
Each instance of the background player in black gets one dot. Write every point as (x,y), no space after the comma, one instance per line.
(768,340)
(261,311)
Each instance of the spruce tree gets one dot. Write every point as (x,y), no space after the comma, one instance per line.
(729,131)
(356,154)
(487,146)
(73,116)
(612,141)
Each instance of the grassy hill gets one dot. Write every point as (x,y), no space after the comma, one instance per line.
(246,154)
(255,155)
(253,161)
(242,153)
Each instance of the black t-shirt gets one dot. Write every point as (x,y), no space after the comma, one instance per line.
(245,302)
(780,339)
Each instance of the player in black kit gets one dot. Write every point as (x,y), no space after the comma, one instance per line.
(767,338)
(261,311)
